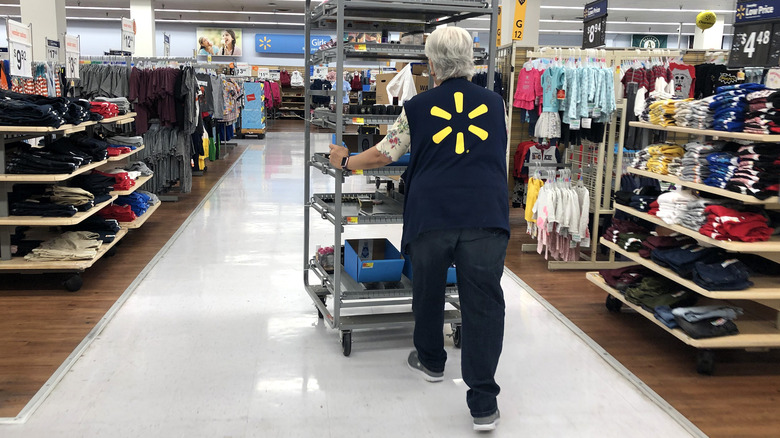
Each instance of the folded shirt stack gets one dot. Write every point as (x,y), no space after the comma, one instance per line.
(725,223)
(640,160)
(122,213)
(707,321)
(721,166)
(140,167)
(673,205)
(98,185)
(126,140)
(662,112)
(122,180)
(664,242)
(757,174)
(730,106)
(631,241)
(701,117)
(138,202)
(25,159)
(622,226)
(683,259)
(621,278)
(639,198)
(652,292)
(759,113)
(695,216)
(664,156)
(695,166)
(105,109)
(122,104)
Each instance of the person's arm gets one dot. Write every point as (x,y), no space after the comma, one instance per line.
(390,149)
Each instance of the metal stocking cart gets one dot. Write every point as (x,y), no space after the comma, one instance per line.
(343,209)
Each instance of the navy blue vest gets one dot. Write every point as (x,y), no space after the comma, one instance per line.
(457,175)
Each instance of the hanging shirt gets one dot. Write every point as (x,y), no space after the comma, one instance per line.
(684,77)
(552,81)
(529,88)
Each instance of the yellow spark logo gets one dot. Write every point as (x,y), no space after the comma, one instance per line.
(264,43)
(460,144)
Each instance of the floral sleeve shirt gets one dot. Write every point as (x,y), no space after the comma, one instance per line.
(398,139)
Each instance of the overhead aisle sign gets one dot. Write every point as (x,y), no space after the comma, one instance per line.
(518,29)
(20,48)
(594,25)
(128,35)
(756,41)
(72,55)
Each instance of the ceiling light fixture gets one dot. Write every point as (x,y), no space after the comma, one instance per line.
(610,9)
(200,11)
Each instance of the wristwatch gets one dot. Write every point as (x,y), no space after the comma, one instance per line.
(344,162)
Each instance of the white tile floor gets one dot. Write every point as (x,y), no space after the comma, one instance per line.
(220,340)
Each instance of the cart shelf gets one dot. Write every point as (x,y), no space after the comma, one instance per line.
(27,266)
(764,288)
(320,161)
(390,211)
(754,333)
(54,221)
(119,120)
(770,246)
(771,202)
(373,51)
(709,132)
(44,130)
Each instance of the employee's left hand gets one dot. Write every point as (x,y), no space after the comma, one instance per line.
(337,154)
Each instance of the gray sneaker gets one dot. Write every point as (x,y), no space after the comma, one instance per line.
(415,365)
(486,424)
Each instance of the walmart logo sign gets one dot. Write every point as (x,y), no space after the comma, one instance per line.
(281,43)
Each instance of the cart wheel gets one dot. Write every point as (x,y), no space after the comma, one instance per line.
(456,335)
(613,304)
(111,252)
(390,186)
(262,136)
(319,314)
(74,283)
(346,342)
(705,362)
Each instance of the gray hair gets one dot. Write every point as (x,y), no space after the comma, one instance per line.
(451,50)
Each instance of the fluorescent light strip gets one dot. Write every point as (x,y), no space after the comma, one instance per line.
(614,33)
(252,23)
(97,8)
(198,11)
(92,19)
(609,9)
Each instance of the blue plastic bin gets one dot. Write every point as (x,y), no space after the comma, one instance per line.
(385,264)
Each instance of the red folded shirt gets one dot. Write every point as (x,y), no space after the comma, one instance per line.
(122,213)
(123,180)
(114,151)
(105,109)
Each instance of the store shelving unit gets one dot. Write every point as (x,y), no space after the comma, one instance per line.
(8,223)
(343,209)
(756,329)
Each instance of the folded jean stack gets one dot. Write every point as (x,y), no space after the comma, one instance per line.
(25,159)
(760,115)
(48,201)
(105,110)
(621,278)
(98,185)
(702,321)
(71,245)
(725,223)
(664,242)
(122,104)
(721,167)
(672,205)
(654,291)
(730,106)
(31,110)
(757,171)
(106,228)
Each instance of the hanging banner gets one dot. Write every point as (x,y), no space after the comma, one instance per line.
(594,29)
(20,48)
(72,55)
(52,51)
(128,35)
(649,41)
(166,44)
(519,27)
(498,32)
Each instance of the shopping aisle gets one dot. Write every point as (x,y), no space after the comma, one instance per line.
(220,339)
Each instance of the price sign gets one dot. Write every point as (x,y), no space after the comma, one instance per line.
(166,44)
(20,49)
(594,29)
(128,35)
(756,41)
(72,54)
(242,69)
(52,51)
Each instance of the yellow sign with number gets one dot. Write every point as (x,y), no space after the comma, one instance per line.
(498,33)
(518,29)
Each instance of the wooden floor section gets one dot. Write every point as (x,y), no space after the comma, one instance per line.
(41,325)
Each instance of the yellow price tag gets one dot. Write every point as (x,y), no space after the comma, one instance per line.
(352,220)
(360,47)
(368,265)
(357,172)
(358,120)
